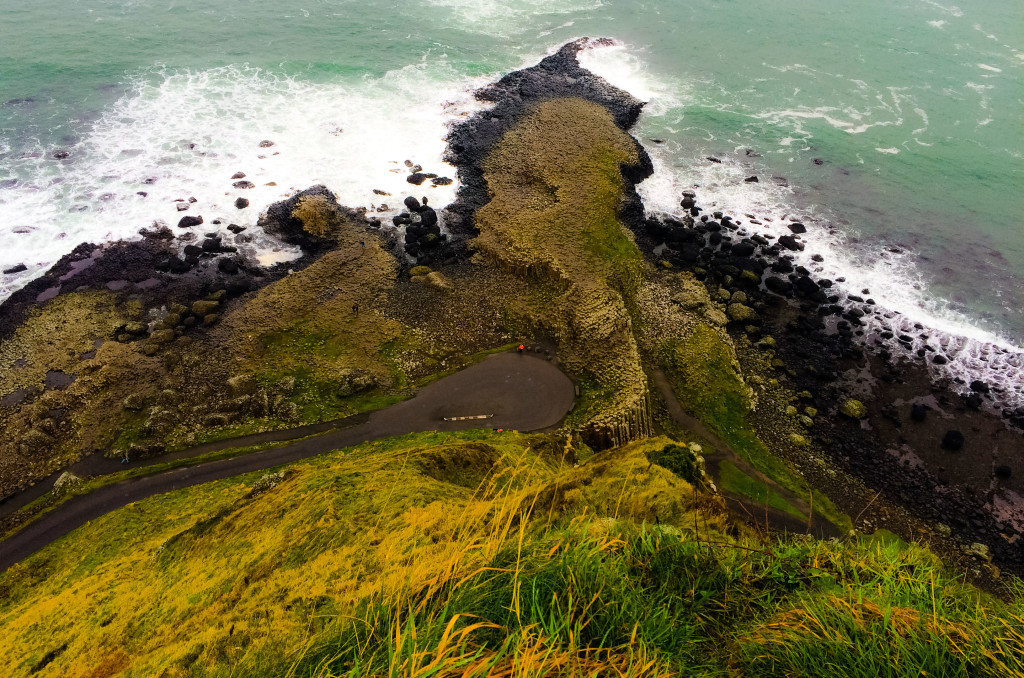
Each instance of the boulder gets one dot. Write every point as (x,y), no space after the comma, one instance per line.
(953,440)
(791,243)
(416,178)
(918,412)
(308,219)
(979,386)
(228,266)
(740,313)
(65,482)
(242,203)
(244,184)
(778,286)
(189,222)
(854,409)
(797,227)
(1003,472)
(203,307)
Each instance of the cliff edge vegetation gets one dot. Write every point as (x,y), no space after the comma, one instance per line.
(485,554)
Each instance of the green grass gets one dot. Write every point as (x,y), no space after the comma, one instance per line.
(486,554)
(704,376)
(734,480)
(641,601)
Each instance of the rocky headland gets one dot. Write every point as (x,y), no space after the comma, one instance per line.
(134,348)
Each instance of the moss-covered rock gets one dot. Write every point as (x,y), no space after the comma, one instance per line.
(854,409)
(740,313)
(553,216)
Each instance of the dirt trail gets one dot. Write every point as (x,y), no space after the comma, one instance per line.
(719,452)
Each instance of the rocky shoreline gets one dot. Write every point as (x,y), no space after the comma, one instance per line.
(954,461)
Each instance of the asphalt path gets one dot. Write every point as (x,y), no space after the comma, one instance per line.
(514,391)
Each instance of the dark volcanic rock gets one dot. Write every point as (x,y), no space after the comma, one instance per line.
(514,96)
(16,269)
(229,266)
(791,243)
(797,227)
(244,184)
(242,203)
(953,440)
(918,412)
(278,219)
(416,178)
(188,222)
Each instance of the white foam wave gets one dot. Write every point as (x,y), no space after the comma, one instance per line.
(184,134)
(952,10)
(623,67)
(512,17)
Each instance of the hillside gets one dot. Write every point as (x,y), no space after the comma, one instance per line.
(690,515)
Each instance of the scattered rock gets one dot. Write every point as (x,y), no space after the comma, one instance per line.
(188,222)
(953,440)
(244,184)
(65,482)
(15,269)
(203,307)
(740,313)
(416,178)
(751,180)
(242,203)
(854,409)
(918,412)
(162,336)
(238,175)
(978,550)
(266,143)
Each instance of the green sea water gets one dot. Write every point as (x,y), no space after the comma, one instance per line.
(894,127)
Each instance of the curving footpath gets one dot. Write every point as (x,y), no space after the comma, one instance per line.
(519,392)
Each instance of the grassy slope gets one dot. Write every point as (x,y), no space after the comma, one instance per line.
(482,550)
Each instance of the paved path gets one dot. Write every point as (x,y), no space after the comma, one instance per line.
(522,392)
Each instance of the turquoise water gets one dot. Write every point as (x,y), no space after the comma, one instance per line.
(912,109)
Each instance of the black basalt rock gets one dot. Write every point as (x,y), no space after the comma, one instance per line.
(513,97)
(189,222)
(953,441)
(791,243)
